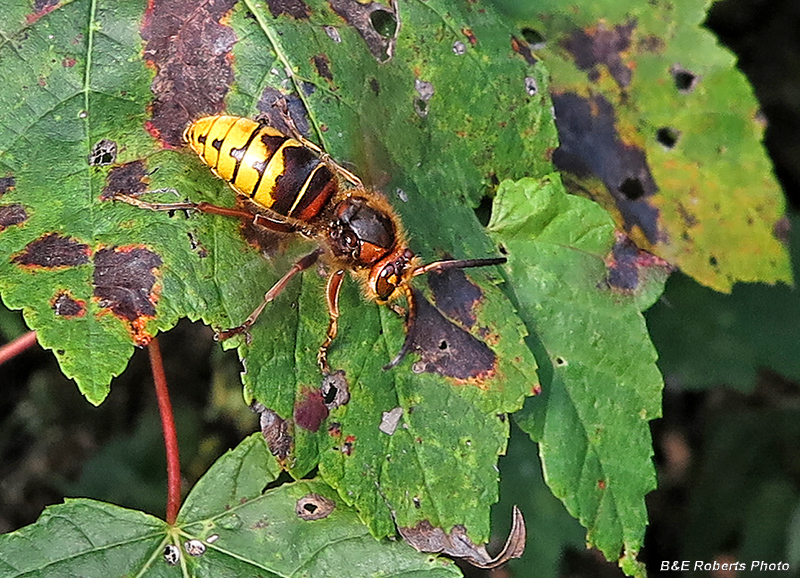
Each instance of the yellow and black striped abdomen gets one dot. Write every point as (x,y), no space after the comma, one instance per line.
(275,171)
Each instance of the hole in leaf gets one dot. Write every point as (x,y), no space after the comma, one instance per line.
(632,188)
(533,36)
(104,152)
(330,395)
(443,345)
(484,210)
(384,23)
(425,91)
(531,86)
(712,261)
(333,34)
(685,80)
(335,390)
(668,136)
(314,507)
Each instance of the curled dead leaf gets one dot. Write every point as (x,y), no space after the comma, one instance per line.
(457,544)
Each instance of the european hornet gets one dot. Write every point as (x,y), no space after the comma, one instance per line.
(290,185)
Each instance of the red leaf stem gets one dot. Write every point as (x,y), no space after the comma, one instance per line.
(14,348)
(170,435)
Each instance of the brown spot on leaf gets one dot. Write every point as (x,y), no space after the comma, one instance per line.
(347,446)
(294,8)
(323,65)
(190,48)
(425,538)
(52,251)
(13,214)
(780,230)
(104,152)
(598,46)
(455,295)
(689,219)
(65,306)
(523,49)
(6,184)
(275,431)
(470,36)
(374,22)
(124,278)
(591,147)
(310,411)
(652,43)
(625,263)
(447,349)
(314,507)
(127,179)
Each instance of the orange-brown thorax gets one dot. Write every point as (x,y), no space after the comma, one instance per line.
(365,234)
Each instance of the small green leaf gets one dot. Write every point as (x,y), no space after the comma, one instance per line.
(592,420)
(82,538)
(235,527)
(235,478)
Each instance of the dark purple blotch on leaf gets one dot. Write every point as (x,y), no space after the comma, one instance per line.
(53,250)
(445,348)
(13,214)
(127,179)
(591,147)
(310,411)
(65,306)
(123,281)
(455,295)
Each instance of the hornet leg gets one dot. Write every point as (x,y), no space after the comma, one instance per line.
(332,295)
(301,265)
(203,207)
